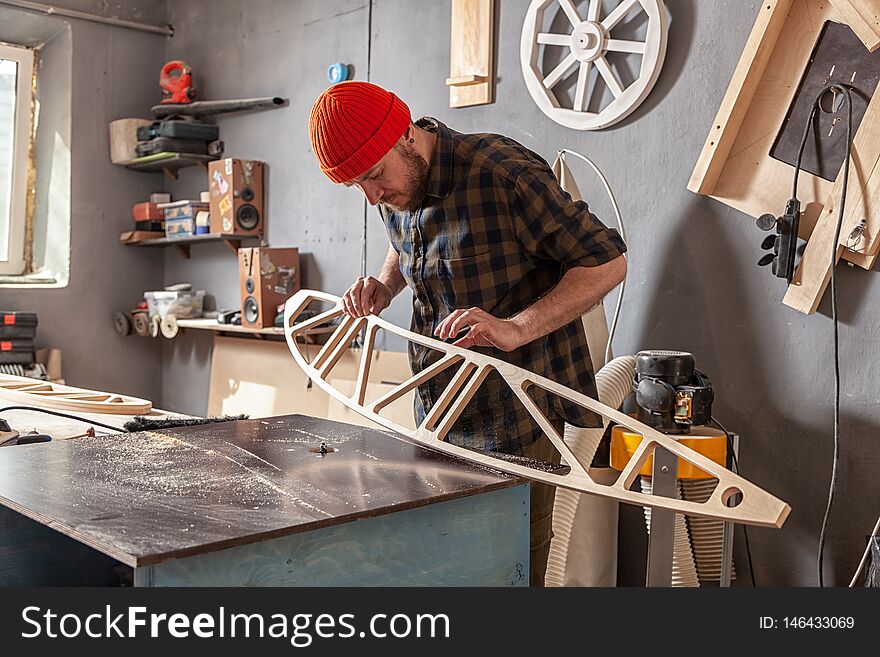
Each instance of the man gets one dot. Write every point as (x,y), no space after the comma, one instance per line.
(498,257)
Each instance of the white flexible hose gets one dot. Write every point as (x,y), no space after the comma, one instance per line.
(614,205)
(614,383)
(707,534)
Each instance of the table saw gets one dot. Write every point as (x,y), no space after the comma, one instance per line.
(257,502)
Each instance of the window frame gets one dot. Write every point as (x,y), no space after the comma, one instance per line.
(24,57)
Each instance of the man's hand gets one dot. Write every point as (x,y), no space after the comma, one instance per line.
(486,330)
(368,296)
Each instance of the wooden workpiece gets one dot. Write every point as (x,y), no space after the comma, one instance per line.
(735,166)
(756,506)
(863,16)
(471,78)
(24,391)
(184,503)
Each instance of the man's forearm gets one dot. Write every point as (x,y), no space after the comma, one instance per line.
(580,289)
(390,273)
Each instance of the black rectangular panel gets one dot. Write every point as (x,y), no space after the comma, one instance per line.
(838,57)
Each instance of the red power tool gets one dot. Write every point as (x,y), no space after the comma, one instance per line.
(177,83)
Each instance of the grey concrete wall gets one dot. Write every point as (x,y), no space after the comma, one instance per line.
(692,281)
(243,50)
(112,70)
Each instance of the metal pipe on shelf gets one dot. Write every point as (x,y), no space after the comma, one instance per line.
(52,10)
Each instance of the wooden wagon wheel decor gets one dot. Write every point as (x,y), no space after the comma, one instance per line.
(756,506)
(589,41)
(26,391)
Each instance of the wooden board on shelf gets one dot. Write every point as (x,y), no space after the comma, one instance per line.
(214,325)
(140,236)
(204,324)
(198,239)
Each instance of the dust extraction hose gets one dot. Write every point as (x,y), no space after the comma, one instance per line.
(583,551)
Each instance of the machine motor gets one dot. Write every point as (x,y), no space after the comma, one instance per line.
(671,394)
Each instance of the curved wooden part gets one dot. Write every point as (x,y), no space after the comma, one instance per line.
(757,507)
(25,391)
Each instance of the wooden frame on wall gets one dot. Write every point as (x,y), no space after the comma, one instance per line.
(471,78)
(735,166)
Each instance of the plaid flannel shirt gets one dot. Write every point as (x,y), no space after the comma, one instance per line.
(496,231)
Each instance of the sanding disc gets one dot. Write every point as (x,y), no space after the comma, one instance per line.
(169,326)
(141,324)
(122,323)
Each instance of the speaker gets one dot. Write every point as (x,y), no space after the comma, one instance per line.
(269,276)
(236,189)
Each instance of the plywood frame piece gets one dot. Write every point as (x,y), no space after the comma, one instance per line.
(863,16)
(756,507)
(32,392)
(735,166)
(471,78)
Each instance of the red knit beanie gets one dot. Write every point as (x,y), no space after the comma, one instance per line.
(353,125)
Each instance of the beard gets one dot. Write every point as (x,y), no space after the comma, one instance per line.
(415,181)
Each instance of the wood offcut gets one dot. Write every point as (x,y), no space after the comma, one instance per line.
(24,391)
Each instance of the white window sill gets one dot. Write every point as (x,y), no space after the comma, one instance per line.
(43,280)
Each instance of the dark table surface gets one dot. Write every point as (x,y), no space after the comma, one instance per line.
(149,497)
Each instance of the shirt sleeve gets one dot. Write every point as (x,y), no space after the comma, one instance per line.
(550,225)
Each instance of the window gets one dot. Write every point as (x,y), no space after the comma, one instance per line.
(16,68)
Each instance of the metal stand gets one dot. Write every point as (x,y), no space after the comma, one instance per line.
(661,539)
(727,535)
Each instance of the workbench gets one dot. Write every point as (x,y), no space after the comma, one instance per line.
(255,502)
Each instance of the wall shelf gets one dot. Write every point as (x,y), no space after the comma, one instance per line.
(214,325)
(232,240)
(170,163)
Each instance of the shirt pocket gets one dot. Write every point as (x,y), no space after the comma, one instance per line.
(465,282)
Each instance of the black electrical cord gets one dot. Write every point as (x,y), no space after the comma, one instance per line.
(65,415)
(736,470)
(835,89)
(800,156)
(836,448)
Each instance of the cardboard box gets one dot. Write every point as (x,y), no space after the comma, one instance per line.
(182,209)
(146,212)
(180,227)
